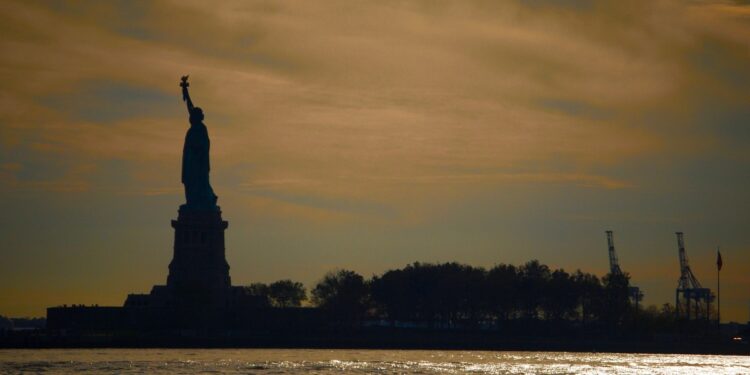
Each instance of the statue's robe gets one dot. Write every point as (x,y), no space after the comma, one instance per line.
(195,168)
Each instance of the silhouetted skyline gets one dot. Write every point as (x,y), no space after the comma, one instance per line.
(371,136)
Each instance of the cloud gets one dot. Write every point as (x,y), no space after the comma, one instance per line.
(103,102)
(313,92)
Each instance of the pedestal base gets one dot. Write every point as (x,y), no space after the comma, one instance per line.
(199,272)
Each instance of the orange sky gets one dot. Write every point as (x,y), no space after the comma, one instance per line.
(368,135)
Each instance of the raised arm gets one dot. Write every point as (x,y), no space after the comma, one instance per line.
(185,95)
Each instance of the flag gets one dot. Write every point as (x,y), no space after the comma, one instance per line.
(719,263)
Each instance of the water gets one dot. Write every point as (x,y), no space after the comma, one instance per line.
(293,361)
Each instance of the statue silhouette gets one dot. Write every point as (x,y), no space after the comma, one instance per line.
(195,159)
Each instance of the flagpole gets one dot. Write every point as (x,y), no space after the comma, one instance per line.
(718,287)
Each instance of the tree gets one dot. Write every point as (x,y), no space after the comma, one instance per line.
(5,323)
(559,296)
(394,296)
(258,293)
(616,299)
(343,294)
(588,291)
(533,280)
(502,290)
(286,293)
(445,293)
(459,290)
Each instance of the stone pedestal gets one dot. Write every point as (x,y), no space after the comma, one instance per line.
(199,272)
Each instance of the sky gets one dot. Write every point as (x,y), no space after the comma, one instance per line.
(370,135)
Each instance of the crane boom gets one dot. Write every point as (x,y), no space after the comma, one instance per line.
(614,264)
(634,292)
(681,252)
(687,279)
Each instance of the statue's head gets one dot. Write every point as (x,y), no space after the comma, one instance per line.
(196,114)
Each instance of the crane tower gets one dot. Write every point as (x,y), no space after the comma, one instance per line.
(614,265)
(614,268)
(692,301)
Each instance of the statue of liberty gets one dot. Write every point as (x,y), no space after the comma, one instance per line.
(195,160)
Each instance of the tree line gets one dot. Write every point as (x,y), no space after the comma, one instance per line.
(459,295)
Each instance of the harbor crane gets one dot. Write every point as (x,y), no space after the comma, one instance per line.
(634,292)
(691,299)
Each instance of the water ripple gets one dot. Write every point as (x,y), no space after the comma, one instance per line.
(268,361)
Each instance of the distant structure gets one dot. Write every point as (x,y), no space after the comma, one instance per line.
(634,292)
(692,301)
(198,294)
(199,273)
